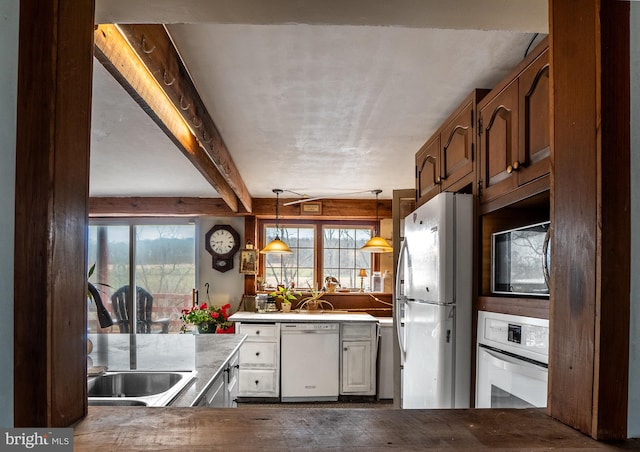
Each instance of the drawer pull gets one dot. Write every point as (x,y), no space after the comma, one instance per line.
(257,332)
(257,381)
(257,353)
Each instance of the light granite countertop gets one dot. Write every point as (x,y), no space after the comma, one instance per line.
(207,354)
(301,317)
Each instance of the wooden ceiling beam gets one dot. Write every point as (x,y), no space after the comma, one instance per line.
(115,54)
(155,48)
(335,209)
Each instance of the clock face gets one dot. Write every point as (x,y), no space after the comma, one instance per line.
(222,241)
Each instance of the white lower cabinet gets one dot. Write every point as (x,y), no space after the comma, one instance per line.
(358,346)
(259,372)
(232,376)
(222,392)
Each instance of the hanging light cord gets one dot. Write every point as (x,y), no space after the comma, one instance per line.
(377,192)
(277,192)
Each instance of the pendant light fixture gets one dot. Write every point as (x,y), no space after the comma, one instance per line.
(276,246)
(377,244)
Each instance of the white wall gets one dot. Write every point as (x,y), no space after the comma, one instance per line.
(226,287)
(633,429)
(9,10)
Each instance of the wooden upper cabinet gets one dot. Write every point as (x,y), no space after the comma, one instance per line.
(428,170)
(457,136)
(534,149)
(447,161)
(498,142)
(514,132)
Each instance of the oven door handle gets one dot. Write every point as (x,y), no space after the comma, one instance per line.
(516,365)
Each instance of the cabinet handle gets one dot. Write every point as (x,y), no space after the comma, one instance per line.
(345,349)
(257,353)
(257,381)
(257,332)
(513,167)
(237,366)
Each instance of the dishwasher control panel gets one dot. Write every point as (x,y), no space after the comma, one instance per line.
(309,327)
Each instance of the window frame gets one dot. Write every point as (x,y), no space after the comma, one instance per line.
(132,223)
(319,226)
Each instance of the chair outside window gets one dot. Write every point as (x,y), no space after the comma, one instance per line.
(145,323)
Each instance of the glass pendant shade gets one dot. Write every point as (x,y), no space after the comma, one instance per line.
(276,246)
(377,244)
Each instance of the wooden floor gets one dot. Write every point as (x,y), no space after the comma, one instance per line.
(344,429)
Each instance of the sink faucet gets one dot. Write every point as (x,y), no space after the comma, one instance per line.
(103,315)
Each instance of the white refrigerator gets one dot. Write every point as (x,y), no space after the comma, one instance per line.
(432,305)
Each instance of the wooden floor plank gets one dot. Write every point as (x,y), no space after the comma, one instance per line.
(196,429)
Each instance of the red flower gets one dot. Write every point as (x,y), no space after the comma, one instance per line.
(215,315)
(203,306)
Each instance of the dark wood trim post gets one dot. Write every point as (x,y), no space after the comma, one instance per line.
(590,191)
(250,234)
(52,185)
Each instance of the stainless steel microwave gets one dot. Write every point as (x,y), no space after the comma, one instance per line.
(520,261)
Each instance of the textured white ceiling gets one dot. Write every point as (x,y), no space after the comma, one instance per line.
(130,155)
(318,109)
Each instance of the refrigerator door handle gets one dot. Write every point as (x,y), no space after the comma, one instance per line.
(400,299)
(435,303)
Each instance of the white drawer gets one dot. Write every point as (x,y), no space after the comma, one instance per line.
(263,354)
(254,382)
(257,331)
(357,330)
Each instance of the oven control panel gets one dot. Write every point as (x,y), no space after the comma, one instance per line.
(524,336)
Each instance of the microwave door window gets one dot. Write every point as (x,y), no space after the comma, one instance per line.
(526,271)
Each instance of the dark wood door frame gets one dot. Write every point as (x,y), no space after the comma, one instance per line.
(55,61)
(590,215)
(590,202)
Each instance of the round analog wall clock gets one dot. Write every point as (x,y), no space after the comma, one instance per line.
(222,242)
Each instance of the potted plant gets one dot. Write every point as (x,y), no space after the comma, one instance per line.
(286,294)
(207,319)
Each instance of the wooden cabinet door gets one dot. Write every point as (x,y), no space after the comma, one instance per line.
(457,157)
(534,146)
(428,170)
(498,142)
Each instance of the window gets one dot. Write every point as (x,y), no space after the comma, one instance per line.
(320,249)
(298,267)
(342,256)
(164,255)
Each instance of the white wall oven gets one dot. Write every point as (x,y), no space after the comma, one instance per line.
(512,360)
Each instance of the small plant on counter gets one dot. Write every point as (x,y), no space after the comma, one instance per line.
(286,294)
(206,318)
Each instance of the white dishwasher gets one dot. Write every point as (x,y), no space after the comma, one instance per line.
(310,359)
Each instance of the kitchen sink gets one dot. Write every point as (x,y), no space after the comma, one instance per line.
(137,388)
(116,402)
